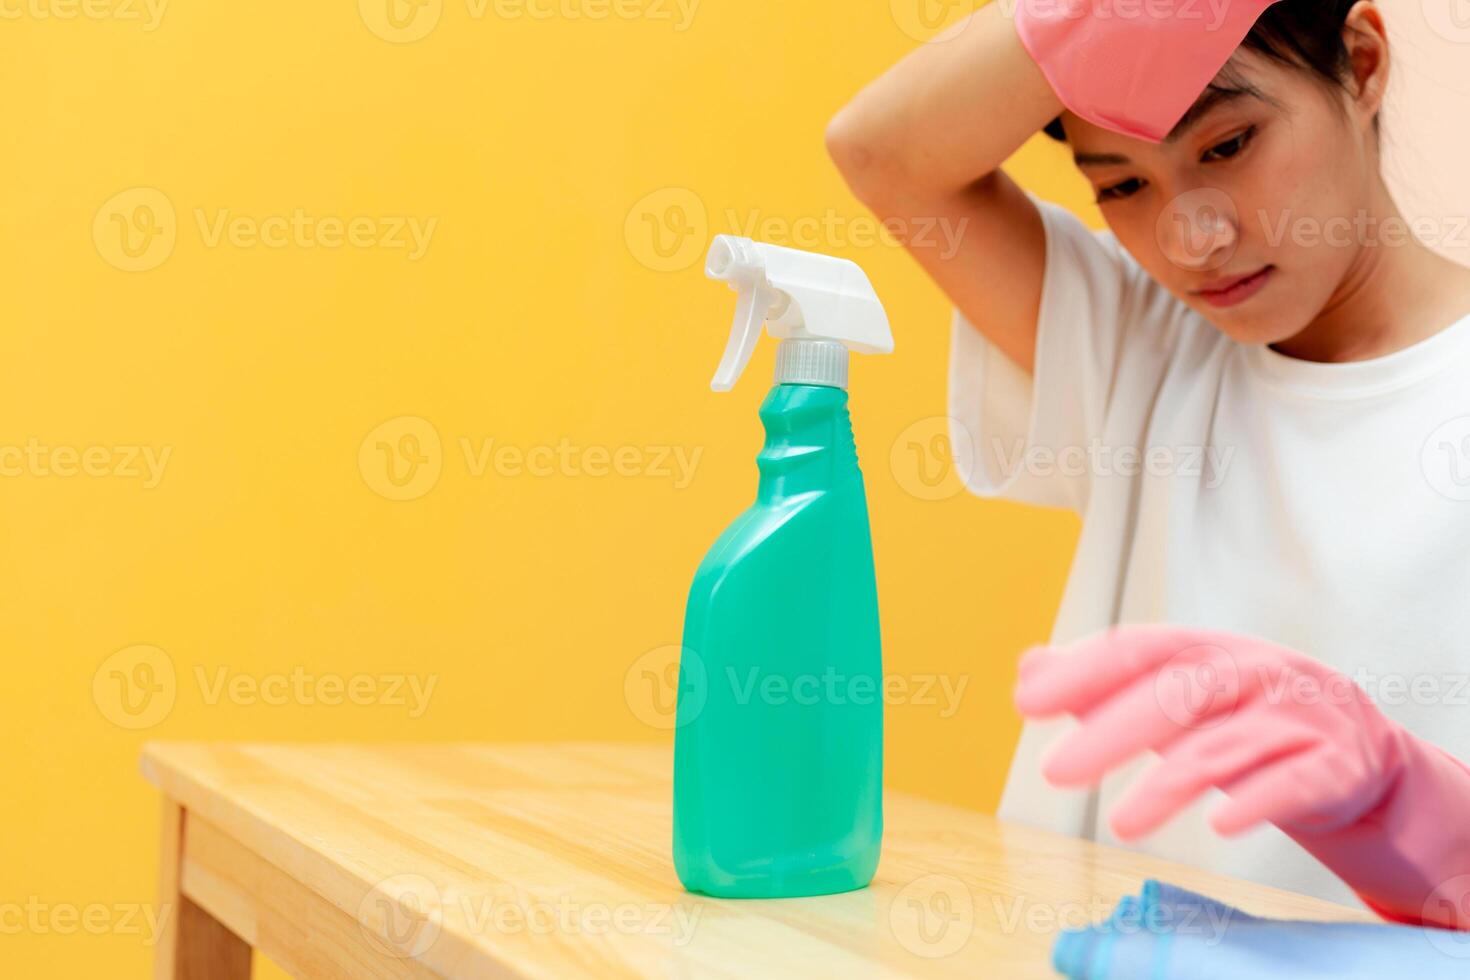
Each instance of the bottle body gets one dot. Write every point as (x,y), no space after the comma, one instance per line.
(779,741)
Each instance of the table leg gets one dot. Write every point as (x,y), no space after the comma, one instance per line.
(194,945)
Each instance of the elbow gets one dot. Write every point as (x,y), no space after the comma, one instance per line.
(860,157)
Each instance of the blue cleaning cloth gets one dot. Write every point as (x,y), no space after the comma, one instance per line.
(1168,933)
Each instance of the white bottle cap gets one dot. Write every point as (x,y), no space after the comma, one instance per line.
(811,362)
(797,296)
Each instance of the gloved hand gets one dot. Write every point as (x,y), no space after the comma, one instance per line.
(1288,739)
(1129,67)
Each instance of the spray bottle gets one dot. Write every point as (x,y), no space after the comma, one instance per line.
(778,753)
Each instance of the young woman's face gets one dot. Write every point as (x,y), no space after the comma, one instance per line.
(1257,207)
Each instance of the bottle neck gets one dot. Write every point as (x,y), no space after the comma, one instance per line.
(800,361)
(809,445)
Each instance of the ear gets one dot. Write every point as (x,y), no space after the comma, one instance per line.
(1366,40)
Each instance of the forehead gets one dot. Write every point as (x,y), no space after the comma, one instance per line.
(1249,80)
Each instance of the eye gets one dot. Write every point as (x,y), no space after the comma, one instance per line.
(1229,148)
(1118,191)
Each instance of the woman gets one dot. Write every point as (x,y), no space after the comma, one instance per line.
(1263,384)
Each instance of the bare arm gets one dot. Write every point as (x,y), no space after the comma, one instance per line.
(925,143)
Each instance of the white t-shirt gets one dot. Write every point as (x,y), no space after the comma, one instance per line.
(1322,506)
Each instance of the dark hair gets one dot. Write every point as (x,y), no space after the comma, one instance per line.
(1305,34)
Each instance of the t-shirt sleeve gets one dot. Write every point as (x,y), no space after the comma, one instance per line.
(1102,346)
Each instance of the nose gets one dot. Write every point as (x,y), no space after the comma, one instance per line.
(1199,230)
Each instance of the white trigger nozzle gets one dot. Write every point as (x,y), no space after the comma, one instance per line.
(797,296)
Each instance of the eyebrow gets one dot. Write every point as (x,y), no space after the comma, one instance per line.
(1213,98)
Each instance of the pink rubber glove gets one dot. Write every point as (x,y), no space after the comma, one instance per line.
(1289,740)
(1133,66)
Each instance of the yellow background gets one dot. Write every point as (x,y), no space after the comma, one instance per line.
(547,147)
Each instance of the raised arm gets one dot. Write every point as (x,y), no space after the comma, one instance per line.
(925,142)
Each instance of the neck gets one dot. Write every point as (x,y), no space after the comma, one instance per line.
(809,445)
(1395,294)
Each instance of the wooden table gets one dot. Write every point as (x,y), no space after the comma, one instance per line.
(553,861)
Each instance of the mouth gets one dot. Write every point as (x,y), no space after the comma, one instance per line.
(1234,290)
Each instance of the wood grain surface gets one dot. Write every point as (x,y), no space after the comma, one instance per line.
(539,860)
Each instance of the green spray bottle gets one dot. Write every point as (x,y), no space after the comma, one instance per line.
(778,745)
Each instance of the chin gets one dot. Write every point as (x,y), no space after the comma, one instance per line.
(1271,316)
(1251,331)
(1254,323)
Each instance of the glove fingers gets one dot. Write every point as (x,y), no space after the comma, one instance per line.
(1298,790)
(1076,678)
(1197,763)
(1150,713)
